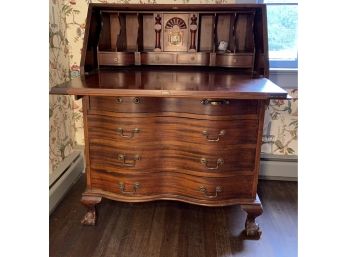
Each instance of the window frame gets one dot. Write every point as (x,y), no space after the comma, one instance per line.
(281,64)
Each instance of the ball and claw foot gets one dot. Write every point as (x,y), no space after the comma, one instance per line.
(252,229)
(89,218)
(90,202)
(253,210)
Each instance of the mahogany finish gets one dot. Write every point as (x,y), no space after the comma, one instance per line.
(187,105)
(195,82)
(168,113)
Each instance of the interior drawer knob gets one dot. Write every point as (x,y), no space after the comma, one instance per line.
(213,139)
(204,190)
(219,162)
(136,100)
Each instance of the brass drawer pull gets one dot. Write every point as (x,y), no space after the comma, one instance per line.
(215,102)
(219,162)
(128,162)
(218,190)
(210,139)
(122,186)
(129,134)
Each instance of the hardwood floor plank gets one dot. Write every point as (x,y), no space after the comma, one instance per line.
(170,239)
(156,230)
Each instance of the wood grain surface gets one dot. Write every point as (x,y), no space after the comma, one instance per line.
(170,185)
(129,82)
(204,106)
(140,130)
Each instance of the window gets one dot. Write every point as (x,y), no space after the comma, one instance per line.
(282,33)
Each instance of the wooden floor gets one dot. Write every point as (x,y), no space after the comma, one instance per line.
(167,229)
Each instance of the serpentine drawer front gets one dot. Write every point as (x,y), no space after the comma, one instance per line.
(174,98)
(126,131)
(181,105)
(137,187)
(163,157)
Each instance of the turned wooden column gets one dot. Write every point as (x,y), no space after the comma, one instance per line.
(158,29)
(193,31)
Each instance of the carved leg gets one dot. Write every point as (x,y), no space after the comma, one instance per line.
(90,202)
(252,229)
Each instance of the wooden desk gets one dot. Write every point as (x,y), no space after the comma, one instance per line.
(189,133)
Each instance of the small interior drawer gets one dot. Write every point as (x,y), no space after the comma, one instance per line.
(158,58)
(115,58)
(193,58)
(234,60)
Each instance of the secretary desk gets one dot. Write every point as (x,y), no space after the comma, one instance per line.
(174,99)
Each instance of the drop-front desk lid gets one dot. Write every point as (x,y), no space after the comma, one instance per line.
(175,82)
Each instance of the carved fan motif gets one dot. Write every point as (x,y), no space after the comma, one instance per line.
(176,21)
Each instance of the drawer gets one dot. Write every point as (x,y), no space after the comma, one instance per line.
(124,130)
(158,58)
(172,185)
(213,189)
(233,60)
(172,130)
(167,156)
(115,58)
(178,105)
(125,185)
(193,58)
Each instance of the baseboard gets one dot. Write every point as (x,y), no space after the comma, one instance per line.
(279,169)
(68,172)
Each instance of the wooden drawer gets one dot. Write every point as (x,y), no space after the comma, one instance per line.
(115,58)
(172,130)
(179,105)
(193,58)
(167,156)
(172,185)
(158,58)
(233,60)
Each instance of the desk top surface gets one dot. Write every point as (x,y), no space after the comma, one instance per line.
(171,82)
